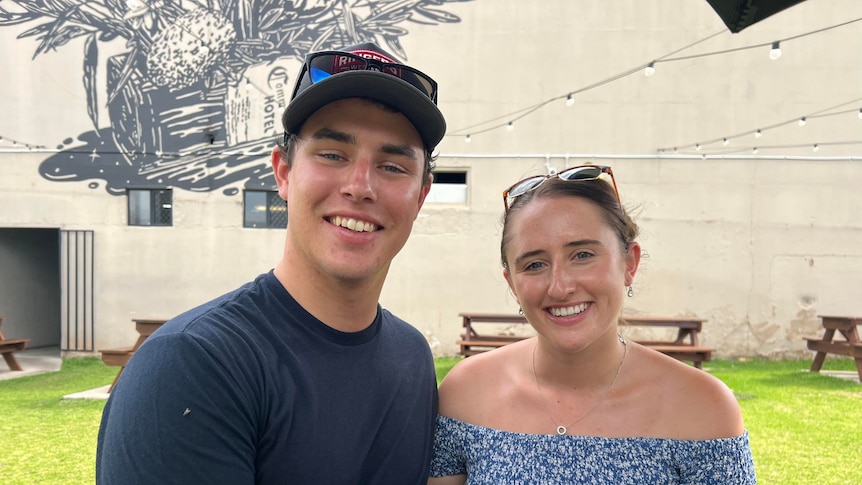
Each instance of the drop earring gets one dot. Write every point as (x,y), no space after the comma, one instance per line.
(630,292)
(520,311)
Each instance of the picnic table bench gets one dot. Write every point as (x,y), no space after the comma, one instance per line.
(850,346)
(684,347)
(120,356)
(9,347)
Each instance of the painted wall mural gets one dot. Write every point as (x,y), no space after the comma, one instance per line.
(195,99)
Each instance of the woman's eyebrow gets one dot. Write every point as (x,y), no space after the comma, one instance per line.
(583,242)
(570,245)
(528,255)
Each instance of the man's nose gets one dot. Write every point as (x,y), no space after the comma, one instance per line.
(360,181)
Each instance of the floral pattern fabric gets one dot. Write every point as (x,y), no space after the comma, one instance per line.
(491,456)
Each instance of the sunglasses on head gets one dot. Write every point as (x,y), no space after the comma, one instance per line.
(573,174)
(321,65)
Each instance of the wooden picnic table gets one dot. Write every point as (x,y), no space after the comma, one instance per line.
(685,345)
(851,346)
(8,347)
(120,357)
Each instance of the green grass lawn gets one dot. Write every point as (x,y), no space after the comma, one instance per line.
(805,428)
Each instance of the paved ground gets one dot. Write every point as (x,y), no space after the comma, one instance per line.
(43,360)
(850,375)
(34,362)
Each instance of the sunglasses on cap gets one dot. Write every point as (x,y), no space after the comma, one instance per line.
(572,174)
(321,65)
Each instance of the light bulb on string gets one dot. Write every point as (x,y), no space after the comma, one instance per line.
(815,148)
(775,52)
(802,121)
(754,151)
(758,134)
(725,142)
(570,100)
(860,114)
(510,126)
(468,139)
(697,147)
(650,69)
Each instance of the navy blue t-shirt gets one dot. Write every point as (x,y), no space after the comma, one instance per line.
(251,388)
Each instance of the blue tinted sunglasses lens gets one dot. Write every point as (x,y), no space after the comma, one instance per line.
(318,75)
(325,64)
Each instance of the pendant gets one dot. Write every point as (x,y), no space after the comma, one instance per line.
(561,430)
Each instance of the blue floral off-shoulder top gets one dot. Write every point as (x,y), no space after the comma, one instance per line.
(494,457)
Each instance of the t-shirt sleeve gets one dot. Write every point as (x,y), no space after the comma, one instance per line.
(180,415)
(448,458)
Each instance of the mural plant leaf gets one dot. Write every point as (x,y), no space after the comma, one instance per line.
(91,58)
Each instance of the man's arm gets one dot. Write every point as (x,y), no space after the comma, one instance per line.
(178,415)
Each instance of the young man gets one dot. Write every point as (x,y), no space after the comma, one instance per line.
(300,376)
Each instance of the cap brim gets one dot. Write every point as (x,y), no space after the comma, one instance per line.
(385,88)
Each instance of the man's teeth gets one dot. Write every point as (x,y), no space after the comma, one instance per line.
(569,310)
(353,224)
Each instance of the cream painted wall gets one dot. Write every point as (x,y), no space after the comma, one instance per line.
(758,245)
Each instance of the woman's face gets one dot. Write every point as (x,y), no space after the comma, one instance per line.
(568,269)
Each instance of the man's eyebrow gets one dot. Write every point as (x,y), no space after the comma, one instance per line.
(402,150)
(330,134)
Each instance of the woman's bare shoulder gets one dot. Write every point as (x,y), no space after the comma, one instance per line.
(691,403)
(476,379)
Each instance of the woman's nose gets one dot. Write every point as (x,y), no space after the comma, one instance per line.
(562,282)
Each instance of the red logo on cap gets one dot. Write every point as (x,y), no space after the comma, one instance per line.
(348,63)
(373,55)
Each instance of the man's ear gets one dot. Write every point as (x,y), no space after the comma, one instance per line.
(424,192)
(280,169)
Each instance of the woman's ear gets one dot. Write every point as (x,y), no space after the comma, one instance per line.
(633,259)
(511,286)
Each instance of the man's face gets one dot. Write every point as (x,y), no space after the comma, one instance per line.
(353,191)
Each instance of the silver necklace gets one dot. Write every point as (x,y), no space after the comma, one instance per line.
(561,430)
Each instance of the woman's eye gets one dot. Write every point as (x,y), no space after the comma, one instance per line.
(583,255)
(534,266)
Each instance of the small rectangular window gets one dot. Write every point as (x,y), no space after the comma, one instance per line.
(264,209)
(150,207)
(449,187)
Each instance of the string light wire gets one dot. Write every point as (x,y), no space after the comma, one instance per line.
(823,113)
(523,112)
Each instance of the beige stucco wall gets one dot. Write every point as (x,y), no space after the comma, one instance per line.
(758,245)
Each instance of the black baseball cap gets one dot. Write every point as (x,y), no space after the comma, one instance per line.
(366,71)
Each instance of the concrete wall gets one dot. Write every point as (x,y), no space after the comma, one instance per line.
(757,244)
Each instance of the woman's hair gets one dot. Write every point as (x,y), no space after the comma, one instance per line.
(597,191)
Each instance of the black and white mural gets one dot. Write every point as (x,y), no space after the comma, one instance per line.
(195,95)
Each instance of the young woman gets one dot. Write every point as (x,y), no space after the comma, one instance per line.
(578,403)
